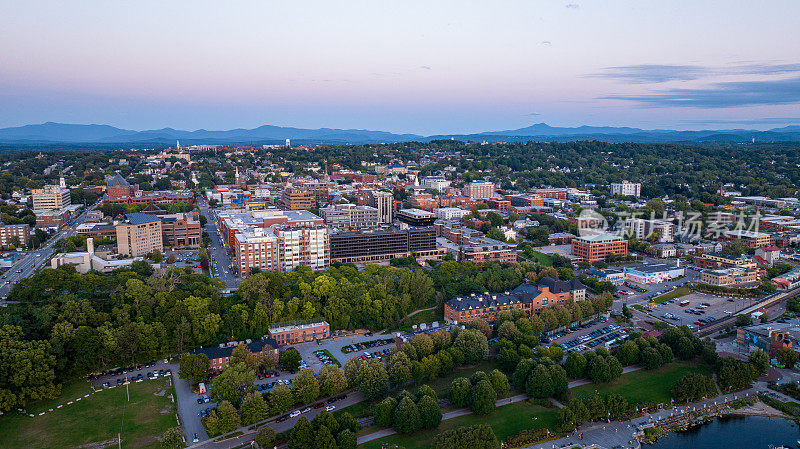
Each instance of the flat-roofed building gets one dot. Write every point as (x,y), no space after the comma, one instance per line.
(295,198)
(349,216)
(181,230)
(377,245)
(384,202)
(16,234)
(626,188)
(479,190)
(750,238)
(653,273)
(485,249)
(51,198)
(290,333)
(139,235)
(714,260)
(416,217)
(450,213)
(730,277)
(592,248)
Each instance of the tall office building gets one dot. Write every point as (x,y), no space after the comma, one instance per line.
(139,235)
(51,198)
(383,202)
(626,188)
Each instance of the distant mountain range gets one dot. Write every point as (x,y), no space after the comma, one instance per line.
(109,136)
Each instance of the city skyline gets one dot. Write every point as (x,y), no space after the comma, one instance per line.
(442,68)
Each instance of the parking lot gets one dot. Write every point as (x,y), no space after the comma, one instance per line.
(691,308)
(335,346)
(591,335)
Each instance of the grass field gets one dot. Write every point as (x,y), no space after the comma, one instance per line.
(425,316)
(683,291)
(93,422)
(644,386)
(542,258)
(505,421)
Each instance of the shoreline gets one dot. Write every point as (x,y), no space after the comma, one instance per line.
(756,408)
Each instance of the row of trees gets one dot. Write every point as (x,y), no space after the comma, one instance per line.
(598,366)
(647,352)
(324,431)
(424,357)
(480,391)
(408,413)
(596,407)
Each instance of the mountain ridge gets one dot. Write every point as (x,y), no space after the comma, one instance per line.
(98,134)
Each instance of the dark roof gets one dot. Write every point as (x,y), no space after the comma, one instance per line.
(216,352)
(554,285)
(139,218)
(524,294)
(117,179)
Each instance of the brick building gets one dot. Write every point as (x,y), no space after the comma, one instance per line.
(479,190)
(527,297)
(598,247)
(8,232)
(220,356)
(299,333)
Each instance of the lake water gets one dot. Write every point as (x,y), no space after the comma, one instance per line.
(751,432)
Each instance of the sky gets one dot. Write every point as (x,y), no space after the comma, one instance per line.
(423,67)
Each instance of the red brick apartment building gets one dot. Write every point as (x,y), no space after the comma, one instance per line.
(598,247)
(479,190)
(9,231)
(220,356)
(548,292)
(299,333)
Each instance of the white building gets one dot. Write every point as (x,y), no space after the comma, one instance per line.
(626,188)
(450,213)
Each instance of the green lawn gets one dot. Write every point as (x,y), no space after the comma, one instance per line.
(683,291)
(542,258)
(94,422)
(426,316)
(644,386)
(505,421)
(69,392)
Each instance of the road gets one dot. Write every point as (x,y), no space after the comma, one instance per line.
(220,262)
(28,264)
(249,435)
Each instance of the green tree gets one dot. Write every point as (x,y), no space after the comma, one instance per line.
(235,382)
(373,381)
(172,439)
(253,409)
(194,367)
(482,398)
(265,438)
(324,438)
(539,383)
(575,364)
(289,359)
(406,416)
(223,420)
(628,353)
(384,412)
(499,383)
(346,439)
(429,412)
(459,391)
(473,437)
(302,435)
(558,378)
(306,388)
(473,345)
(786,357)
(280,399)
(760,361)
(331,380)
(598,370)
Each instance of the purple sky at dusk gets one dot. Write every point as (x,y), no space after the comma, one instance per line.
(402,66)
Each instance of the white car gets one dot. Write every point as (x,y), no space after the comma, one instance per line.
(330,408)
(294,414)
